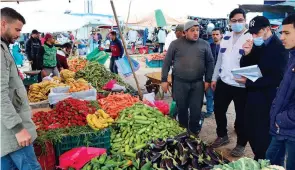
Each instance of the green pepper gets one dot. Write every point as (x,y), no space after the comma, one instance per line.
(127,148)
(104,168)
(141,131)
(146,166)
(130,154)
(145,122)
(102,158)
(140,118)
(138,147)
(89,167)
(117,140)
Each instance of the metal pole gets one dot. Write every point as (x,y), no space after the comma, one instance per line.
(125,48)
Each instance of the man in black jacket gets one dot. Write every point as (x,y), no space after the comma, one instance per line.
(32,50)
(266,51)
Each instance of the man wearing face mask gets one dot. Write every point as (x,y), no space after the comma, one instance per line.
(191,58)
(268,52)
(225,87)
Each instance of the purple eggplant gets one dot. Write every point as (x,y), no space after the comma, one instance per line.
(190,145)
(184,159)
(163,164)
(195,163)
(190,167)
(176,163)
(213,156)
(171,141)
(180,148)
(199,149)
(169,164)
(139,154)
(156,158)
(182,136)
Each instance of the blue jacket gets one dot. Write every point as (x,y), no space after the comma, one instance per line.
(215,50)
(116,48)
(283,107)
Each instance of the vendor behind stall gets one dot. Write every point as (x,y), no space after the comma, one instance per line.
(62,54)
(48,52)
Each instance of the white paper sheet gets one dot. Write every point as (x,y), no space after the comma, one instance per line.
(251,72)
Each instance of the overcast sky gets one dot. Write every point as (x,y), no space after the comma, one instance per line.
(174,8)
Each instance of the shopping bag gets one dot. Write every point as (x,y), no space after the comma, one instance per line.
(172,109)
(124,66)
(109,85)
(98,56)
(78,157)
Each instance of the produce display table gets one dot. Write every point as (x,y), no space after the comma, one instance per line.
(154,81)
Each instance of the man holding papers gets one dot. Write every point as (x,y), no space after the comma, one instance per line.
(282,114)
(227,89)
(266,51)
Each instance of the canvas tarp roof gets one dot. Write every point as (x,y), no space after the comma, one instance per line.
(151,21)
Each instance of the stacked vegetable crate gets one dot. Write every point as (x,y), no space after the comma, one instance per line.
(100,140)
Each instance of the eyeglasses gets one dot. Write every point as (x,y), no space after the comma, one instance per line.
(239,20)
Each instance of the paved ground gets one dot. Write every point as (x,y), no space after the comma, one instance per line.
(208,132)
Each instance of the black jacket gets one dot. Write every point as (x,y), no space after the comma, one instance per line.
(32,48)
(271,59)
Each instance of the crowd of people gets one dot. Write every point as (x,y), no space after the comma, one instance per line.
(265,109)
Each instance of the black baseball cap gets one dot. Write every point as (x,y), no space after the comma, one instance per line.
(257,23)
(35,32)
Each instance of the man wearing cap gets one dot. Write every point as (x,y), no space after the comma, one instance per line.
(268,52)
(179,31)
(192,58)
(48,55)
(32,50)
(225,87)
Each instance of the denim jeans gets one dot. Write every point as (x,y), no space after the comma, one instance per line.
(210,100)
(277,151)
(23,159)
(113,66)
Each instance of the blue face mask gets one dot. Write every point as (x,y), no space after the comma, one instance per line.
(237,27)
(258,41)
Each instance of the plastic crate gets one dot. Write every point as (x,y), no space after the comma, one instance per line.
(30,80)
(153,63)
(46,158)
(160,63)
(99,140)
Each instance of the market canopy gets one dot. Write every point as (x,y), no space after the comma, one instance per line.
(51,22)
(17,0)
(156,19)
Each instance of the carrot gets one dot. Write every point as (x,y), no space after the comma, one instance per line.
(113,104)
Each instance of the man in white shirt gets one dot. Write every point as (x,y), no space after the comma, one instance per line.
(225,86)
(161,38)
